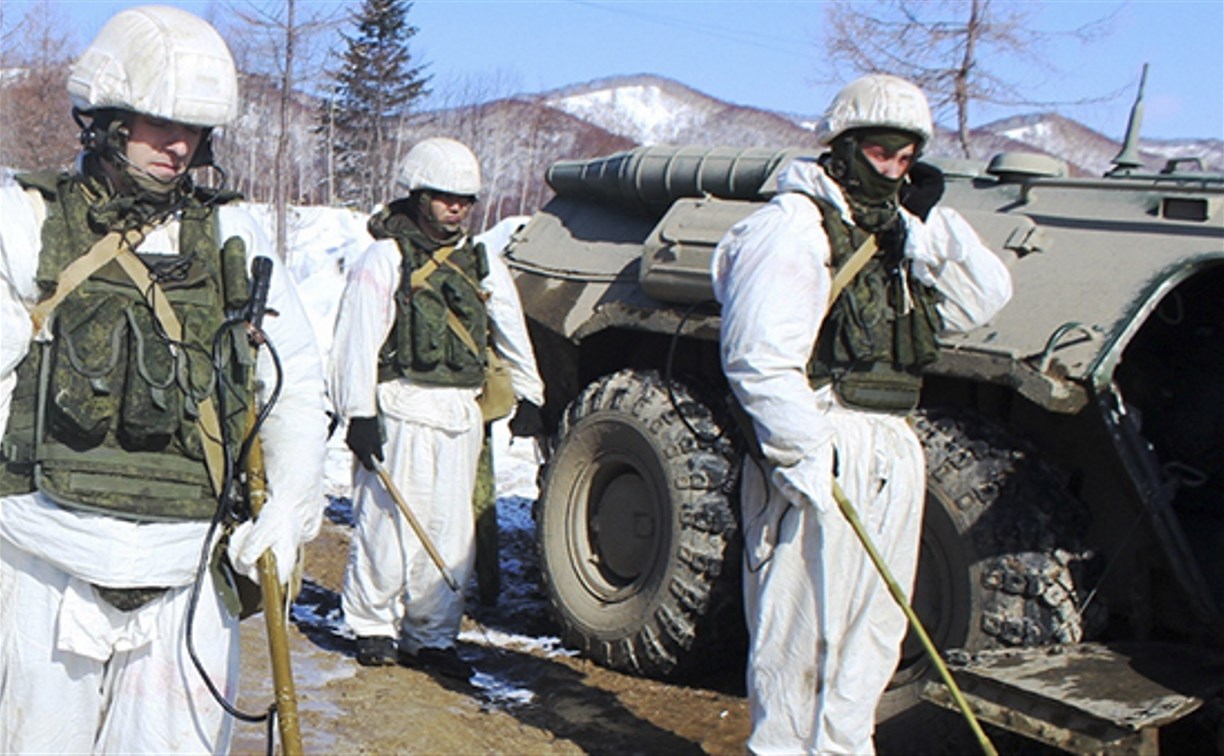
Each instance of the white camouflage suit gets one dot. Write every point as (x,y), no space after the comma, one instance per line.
(76,674)
(825,633)
(432,444)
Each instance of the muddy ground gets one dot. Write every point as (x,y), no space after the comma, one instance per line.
(529,695)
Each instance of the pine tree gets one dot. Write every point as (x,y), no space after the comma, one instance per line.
(374,87)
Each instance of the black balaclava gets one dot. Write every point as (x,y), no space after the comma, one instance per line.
(872,196)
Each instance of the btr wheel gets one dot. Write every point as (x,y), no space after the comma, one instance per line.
(1002,561)
(636,528)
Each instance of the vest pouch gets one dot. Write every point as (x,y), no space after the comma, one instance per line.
(880,390)
(867,306)
(234,279)
(152,404)
(462,300)
(17,447)
(196,383)
(496,399)
(843,338)
(429,333)
(238,383)
(925,323)
(87,371)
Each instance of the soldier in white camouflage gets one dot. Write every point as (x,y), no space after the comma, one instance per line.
(125,384)
(827,379)
(417,324)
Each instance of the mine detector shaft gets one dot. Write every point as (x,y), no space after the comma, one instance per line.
(1071,569)
(275,599)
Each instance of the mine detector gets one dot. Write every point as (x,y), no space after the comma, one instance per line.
(1072,557)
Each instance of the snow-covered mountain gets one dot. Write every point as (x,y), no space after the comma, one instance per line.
(647,109)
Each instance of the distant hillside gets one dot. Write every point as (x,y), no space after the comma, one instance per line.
(1092,151)
(518,138)
(648,109)
(651,109)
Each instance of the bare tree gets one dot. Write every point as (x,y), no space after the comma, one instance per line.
(281,45)
(34,107)
(953,49)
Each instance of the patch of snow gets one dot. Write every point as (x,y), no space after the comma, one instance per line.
(491,638)
(645,112)
(500,692)
(1037,133)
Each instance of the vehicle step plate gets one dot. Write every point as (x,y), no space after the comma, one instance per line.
(1086,697)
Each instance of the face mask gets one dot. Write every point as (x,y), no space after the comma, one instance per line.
(872,196)
(869,184)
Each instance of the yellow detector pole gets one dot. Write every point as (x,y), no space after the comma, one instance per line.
(274,600)
(385,477)
(274,615)
(847,509)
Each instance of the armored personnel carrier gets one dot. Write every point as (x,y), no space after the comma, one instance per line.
(1072,564)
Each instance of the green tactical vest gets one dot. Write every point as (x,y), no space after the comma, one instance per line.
(104,415)
(423,345)
(880,331)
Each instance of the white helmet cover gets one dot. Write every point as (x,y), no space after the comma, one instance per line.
(442,165)
(159,61)
(876,101)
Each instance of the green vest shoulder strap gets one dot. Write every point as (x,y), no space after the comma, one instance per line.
(46,182)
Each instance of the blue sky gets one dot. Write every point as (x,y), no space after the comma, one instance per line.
(767,53)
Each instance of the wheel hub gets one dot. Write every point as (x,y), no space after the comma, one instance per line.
(623,526)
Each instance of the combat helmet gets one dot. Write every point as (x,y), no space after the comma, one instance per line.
(877,101)
(441,165)
(158,61)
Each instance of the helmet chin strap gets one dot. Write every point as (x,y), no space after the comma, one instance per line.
(147,182)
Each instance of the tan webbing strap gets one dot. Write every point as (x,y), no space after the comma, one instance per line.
(846,273)
(210,424)
(82,268)
(464,335)
(437,260)
(419,280)
(421,275)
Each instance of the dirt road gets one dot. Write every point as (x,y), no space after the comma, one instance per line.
(529,696)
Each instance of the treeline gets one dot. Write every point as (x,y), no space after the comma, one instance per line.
(339,122)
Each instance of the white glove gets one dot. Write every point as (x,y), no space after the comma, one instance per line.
(809,482)
(272,529)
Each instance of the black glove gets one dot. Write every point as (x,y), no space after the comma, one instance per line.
(924,188)
(527,420)
(365,439)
